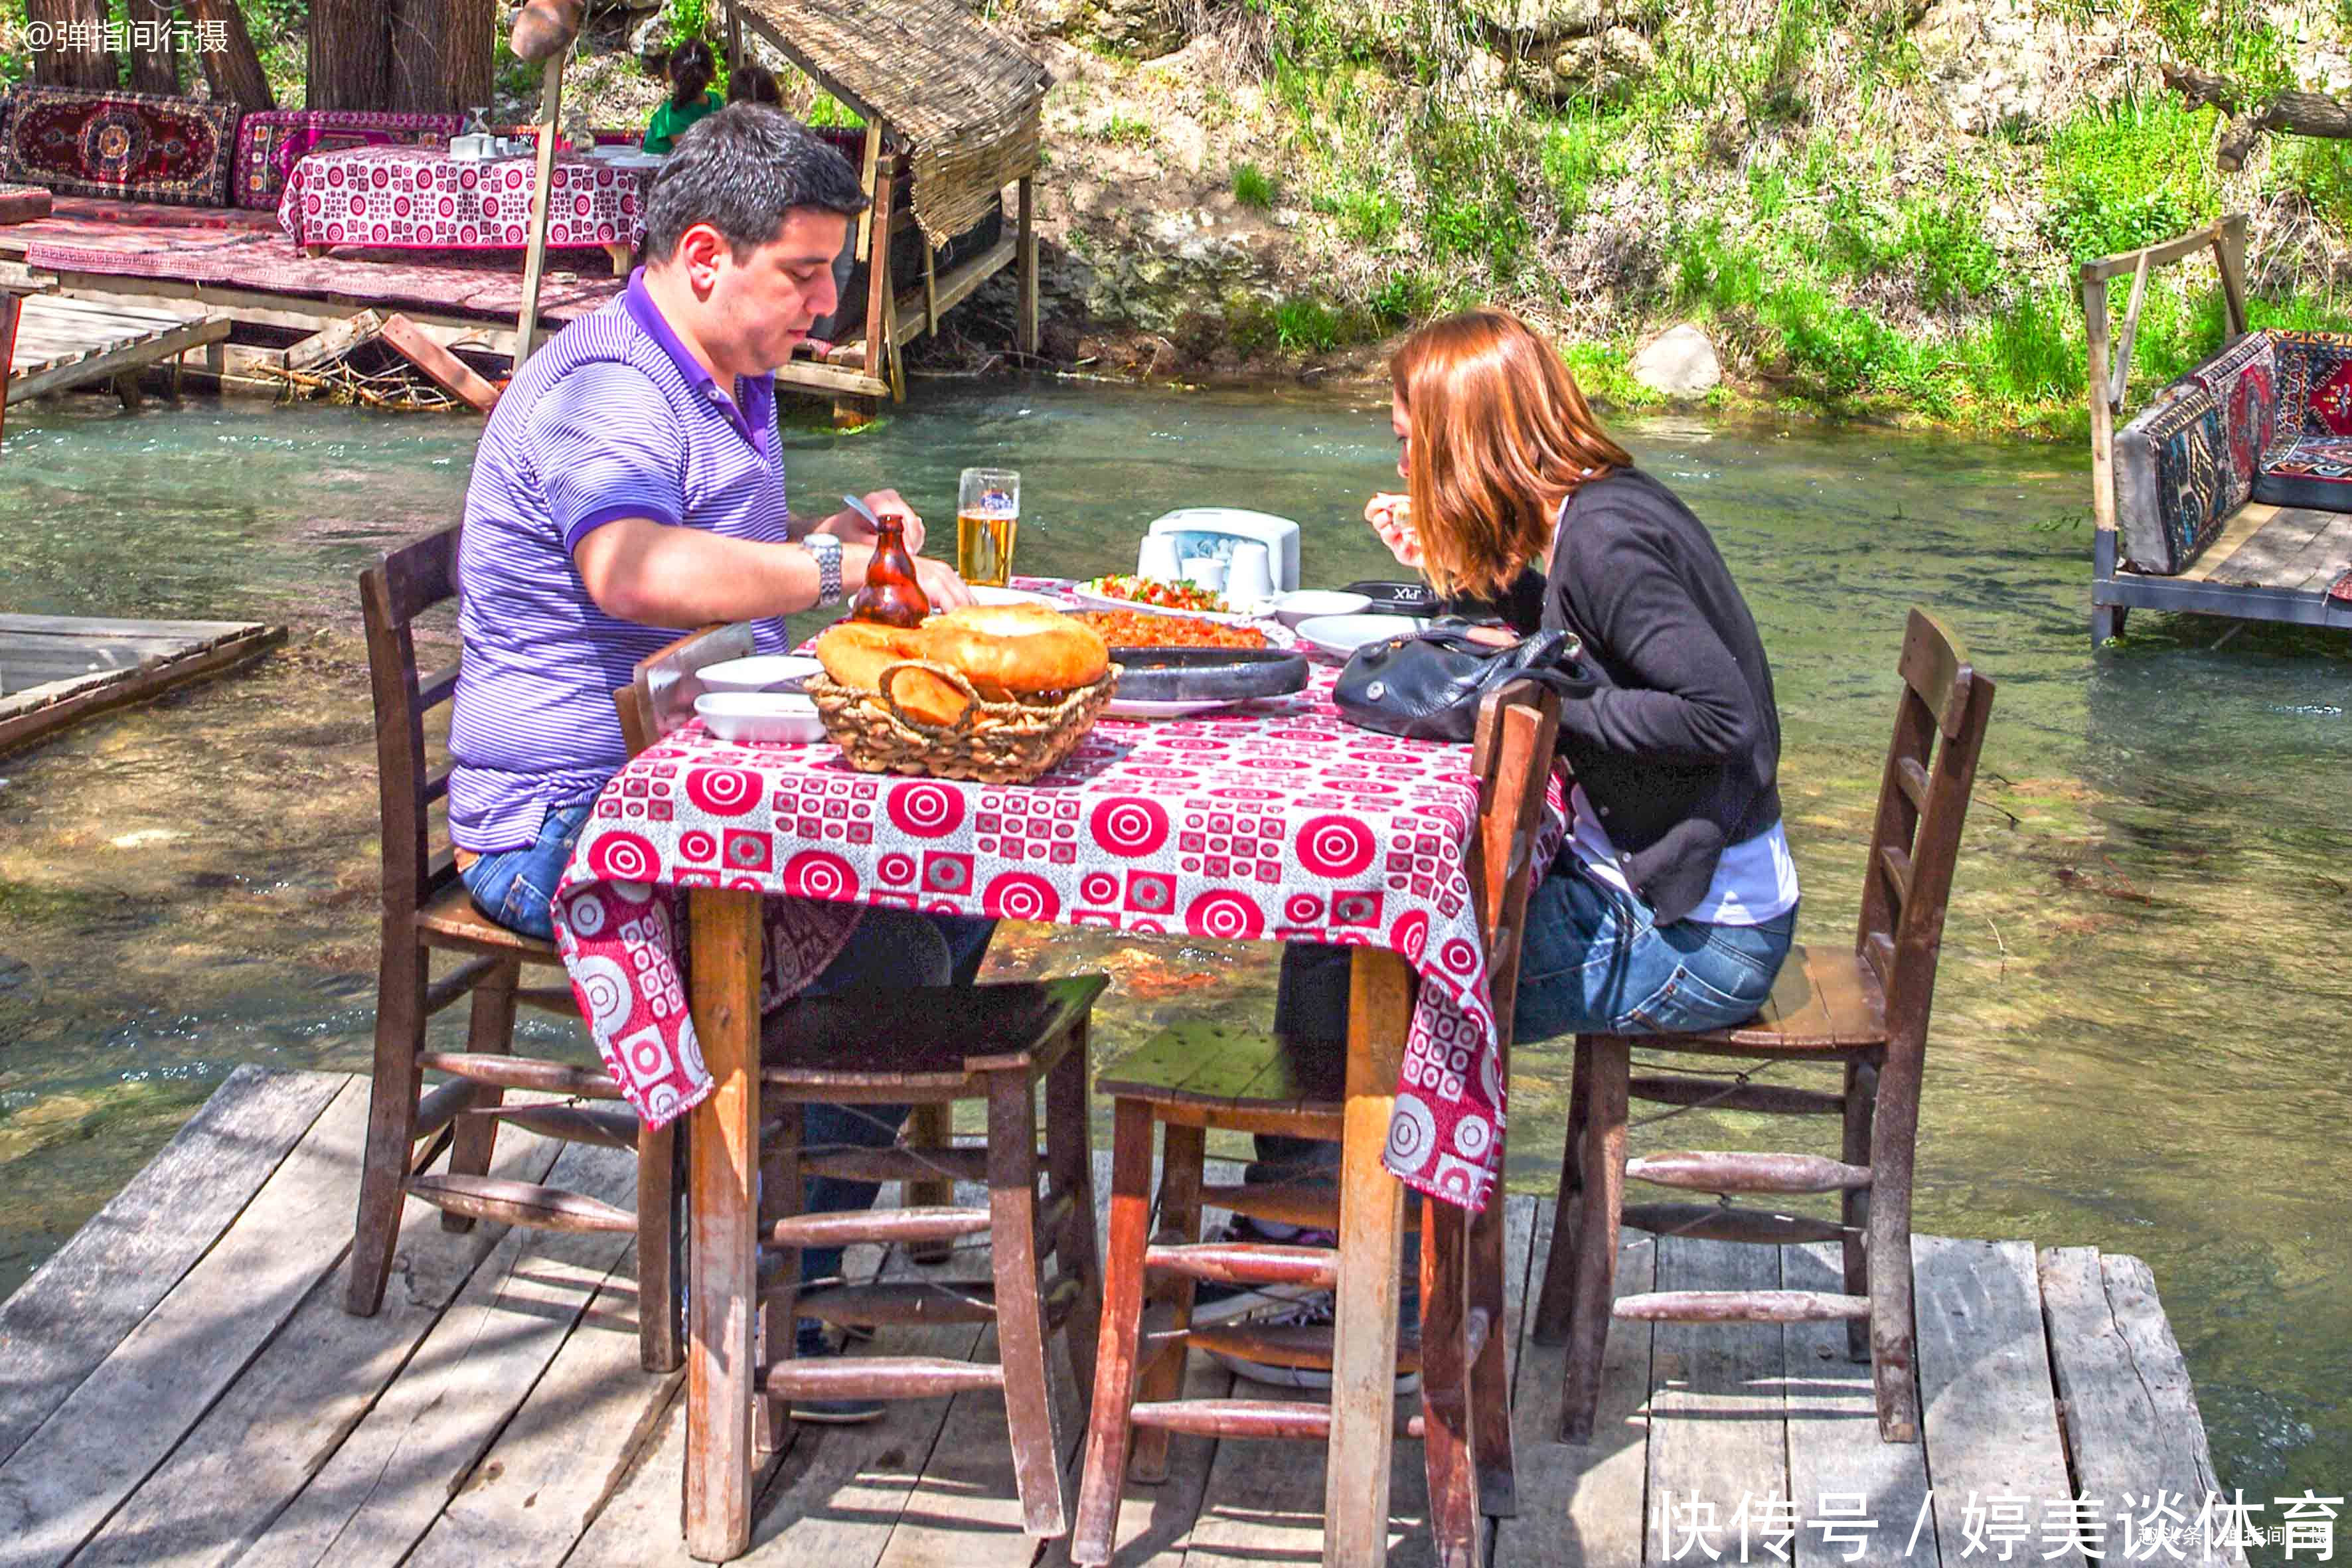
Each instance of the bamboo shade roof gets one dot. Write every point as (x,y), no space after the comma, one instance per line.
(962,95)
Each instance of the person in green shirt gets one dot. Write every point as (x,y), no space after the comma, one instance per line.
(690,97)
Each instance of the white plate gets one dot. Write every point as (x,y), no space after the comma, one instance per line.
(1105,602)
(761,672)
(1311,604)
(983,595)
(1130,707)
(1342,635)
(756,718)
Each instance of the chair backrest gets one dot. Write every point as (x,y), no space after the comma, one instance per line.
(1511,755)
(661,690)
(392,593)
(1923,801)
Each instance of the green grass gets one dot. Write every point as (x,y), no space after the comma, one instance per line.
(1125,130)
(828,111)
(1253,187)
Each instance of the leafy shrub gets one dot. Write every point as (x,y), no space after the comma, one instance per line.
(1306,326)
(1125,130)
(1957,263)
(1403,298)
(2126,176)
(1253,187)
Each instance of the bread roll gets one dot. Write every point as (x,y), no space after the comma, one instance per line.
(855,653)
(1022,649)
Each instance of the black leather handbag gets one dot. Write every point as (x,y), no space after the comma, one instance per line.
(1427,685)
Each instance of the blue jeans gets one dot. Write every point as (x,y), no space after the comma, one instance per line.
(1594,961)
(515,887)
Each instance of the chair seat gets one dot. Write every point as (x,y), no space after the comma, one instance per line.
(1821,1002)
(922,1039)
(449,919)
(1213,1066)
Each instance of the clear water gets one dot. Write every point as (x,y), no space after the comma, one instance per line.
(2138,1043)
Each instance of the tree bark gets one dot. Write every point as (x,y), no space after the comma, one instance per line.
(441,54)
(154,64)
(2297,113)
(57,66)
(234,74)
(349,55)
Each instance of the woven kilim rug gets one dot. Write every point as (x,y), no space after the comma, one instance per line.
(141,145)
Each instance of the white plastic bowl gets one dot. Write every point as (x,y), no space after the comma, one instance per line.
(1310,604)
(761,672)
(1340,636)
(759,717)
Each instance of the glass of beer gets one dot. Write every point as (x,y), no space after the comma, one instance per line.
(988,515)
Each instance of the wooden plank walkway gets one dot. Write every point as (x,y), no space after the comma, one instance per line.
(63,342)
(2269,563)
(57,669)
(180,1385)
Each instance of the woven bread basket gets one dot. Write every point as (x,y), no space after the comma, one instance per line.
(991,742)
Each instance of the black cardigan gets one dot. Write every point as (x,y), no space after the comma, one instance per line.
(1679,748)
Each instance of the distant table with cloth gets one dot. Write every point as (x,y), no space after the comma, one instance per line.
(1277,821)
(421,198)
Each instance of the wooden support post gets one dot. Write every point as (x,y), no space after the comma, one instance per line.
(333,342)
(12,309)
(1026,263)
(734,39)
(930,289)
(1372,1231)
(722,1150)
(550,100)
(126,387)
(450,373)
(879,319)
(2229,254)
(2103,432)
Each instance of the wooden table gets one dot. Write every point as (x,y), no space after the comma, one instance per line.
(722,1276)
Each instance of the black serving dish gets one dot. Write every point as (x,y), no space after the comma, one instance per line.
(1206,674)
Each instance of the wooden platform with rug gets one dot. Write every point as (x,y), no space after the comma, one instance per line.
(55,670)
(180,1385)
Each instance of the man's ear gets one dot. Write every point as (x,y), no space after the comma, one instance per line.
(700,249)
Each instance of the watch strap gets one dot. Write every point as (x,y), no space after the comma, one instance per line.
(826,550)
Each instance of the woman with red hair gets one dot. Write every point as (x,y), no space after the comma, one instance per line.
(1674,900)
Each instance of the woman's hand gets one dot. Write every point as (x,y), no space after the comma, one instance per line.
(848,525)
(1390,516)
(940,584)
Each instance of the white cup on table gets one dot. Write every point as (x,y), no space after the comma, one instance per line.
(1249,579)
(1157,559)
(1205,571)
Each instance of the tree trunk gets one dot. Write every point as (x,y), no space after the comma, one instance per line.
(57,66)
(441,54)
(154,64)
(2300,113)
(235,73)
(349,53)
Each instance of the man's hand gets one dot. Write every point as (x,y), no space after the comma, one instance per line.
(1390,516)
(939,584)
(848,524)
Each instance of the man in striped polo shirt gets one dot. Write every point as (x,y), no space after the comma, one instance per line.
(628,485)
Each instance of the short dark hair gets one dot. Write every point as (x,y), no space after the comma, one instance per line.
(753,84)
(740,171)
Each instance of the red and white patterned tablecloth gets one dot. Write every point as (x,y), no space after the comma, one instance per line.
(1278,821)
(422,198)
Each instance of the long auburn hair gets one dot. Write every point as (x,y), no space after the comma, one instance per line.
(1501,435)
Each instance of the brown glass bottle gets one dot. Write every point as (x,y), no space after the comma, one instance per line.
(892,596)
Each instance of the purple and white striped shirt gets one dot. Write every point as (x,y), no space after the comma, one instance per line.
(612,418)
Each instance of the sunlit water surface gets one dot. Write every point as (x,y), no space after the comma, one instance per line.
(2140,1038)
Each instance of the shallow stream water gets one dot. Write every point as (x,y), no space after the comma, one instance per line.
(2139,1037)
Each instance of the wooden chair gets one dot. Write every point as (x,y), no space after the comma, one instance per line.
(1866,1009)
(427,909)
(931,1047)
(1197,1077)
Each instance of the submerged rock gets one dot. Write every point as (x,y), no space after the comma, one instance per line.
(1680,363)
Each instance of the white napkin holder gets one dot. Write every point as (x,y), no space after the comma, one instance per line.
(1214,531)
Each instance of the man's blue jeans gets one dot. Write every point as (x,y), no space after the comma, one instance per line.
(515,887)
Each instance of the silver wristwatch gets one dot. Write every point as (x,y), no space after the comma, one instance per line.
(827,549)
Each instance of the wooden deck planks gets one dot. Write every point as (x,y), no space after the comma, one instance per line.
(129,1413)
(57,669)
(2276,547)
(64,343)
(495,1412)
(73,1313)
(291,1409)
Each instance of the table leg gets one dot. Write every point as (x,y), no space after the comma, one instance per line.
(623,256)
(1372,1228)
(723,1153)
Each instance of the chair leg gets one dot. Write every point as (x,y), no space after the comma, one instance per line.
(1854,1207)
(1596,1245)
(1020,1312)
(929,1127)
(1490,1373)
(1183,1158)
(1108,1432)
(779,1326)
(392,1119)
(661,1346)
(1456,1525)
(1070,1170)
(489,1031)
(1560,1260)
(1894,1138)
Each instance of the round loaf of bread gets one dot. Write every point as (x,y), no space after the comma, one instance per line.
(855,653)
(1022,649)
